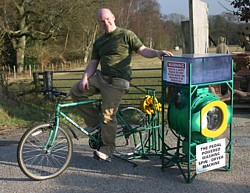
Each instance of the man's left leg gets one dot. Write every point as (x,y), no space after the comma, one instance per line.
(111,99)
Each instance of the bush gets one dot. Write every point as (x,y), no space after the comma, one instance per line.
(30,60)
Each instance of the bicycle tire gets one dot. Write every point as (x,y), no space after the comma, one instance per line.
(37,163)
(130,132)
(133,116)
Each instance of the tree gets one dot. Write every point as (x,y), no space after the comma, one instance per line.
(83,27)
(174,21)
(66,29)
(25,20)
(226,25)
(243,12)
(243,9)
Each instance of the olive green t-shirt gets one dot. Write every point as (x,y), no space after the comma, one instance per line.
(114,51)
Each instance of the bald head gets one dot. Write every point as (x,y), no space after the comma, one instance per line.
(106,19)
(104,11)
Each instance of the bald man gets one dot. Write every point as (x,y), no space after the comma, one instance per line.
(113,52)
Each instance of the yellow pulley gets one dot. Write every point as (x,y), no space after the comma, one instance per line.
(150,104)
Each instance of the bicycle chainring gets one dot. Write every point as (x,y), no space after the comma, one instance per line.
(93,144)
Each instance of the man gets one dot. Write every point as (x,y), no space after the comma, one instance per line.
(222,47)
(247,44)
(113,50)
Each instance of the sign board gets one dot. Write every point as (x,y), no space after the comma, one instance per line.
(210,156)
(176,72)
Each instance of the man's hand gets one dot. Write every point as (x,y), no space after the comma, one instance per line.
(161,53)
(83,84)
(151,53)
(90,70)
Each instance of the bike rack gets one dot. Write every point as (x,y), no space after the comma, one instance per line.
(151,144)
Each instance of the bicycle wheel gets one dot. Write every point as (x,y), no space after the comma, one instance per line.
(130,132)
(38,162)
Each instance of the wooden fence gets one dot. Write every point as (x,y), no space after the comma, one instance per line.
(63,80)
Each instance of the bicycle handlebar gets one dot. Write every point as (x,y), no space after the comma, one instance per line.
(55,93)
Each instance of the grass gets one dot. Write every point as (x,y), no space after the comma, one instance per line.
(18,109)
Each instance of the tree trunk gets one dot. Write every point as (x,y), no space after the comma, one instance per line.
(20,50)
(91,37)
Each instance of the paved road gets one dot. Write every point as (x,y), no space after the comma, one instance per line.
(88,175)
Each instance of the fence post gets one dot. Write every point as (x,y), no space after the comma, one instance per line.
(36,81)
(14,69)
(30,69)
(48,84)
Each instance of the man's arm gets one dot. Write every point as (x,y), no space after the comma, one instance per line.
(91,68)
(151,53)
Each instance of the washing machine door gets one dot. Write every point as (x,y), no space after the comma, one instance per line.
(214,119)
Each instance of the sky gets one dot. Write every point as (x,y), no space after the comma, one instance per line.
(181,6)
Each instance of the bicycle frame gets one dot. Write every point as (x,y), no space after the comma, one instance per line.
(151,122)
(152,126)
(58,113)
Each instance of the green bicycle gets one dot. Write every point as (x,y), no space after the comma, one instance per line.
(45,150)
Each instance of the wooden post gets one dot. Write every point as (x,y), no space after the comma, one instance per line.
(30,70)
(186,45)
(14,69)
(198,27)
(48,83)
(36,81)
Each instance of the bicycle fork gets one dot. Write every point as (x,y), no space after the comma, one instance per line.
(53,133)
